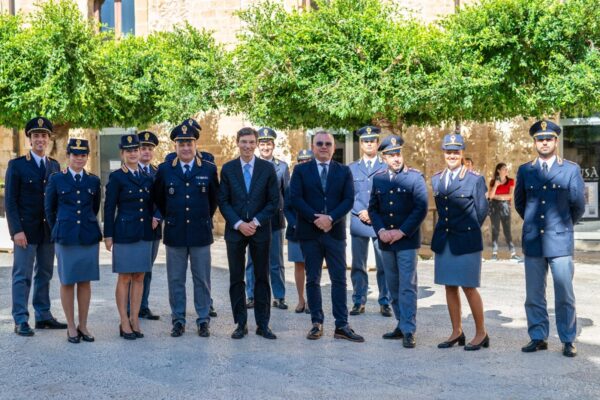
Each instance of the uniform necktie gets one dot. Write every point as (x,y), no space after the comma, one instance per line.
(43,168)
(77,178)
(323,175)
(247,177)
(545,168)
(369,166)
(146,171)
(187,171)
(450,179)
(136,175)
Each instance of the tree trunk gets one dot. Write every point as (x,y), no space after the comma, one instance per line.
(59,142)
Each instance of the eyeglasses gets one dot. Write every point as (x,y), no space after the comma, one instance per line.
(321,144)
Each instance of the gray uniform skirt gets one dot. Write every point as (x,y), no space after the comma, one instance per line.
(77,263)
(295,252)
(463,270)
(129,258)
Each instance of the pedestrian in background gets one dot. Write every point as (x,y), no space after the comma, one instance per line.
(500,195)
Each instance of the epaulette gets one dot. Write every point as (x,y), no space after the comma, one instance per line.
(209,162)
(437,173)
(569,161)
(414,170)
(276,161)
(475,173)
(199,160)
(52,159)
(90,173)
(559,160)
(28,156)
(153,168)
(533,162)
(383,171)
(462,172)
(174,163)
(124,168)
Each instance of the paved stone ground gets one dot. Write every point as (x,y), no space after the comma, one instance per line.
(161,367)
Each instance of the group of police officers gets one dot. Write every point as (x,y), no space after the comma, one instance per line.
(50,211)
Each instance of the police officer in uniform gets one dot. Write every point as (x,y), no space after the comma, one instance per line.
(128,233)
(549,196)
(266,144)
(457,242)
(71,204)
(185,192)
(148,142)
(397,207)
(361,228)
(26,179)
(206,156)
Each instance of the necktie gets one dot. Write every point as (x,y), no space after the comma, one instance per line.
(187,171)
(146,171)
(136,175)
(247,177)
(369,166)
(450,179)
(545,168)
(43,168)
(77,178)
(323,175)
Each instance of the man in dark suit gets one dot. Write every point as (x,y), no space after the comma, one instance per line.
(248,198)
(26,179)
(322,193)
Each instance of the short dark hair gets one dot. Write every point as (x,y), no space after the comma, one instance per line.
(246,132)
(321,133)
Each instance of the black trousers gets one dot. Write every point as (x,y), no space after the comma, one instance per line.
(236,256)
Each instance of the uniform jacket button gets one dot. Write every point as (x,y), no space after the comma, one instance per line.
(78,221)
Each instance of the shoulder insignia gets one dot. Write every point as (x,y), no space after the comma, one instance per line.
(124,168)
(437,173)
(533,162)
(89,173)
(276,161)
(462,173)
(174,163)
(64,171)
(559,160)
(569,162)
(153,167)
(199,161)
(381,171)
(209,162)
(475,173)
(28,156)
(52,159)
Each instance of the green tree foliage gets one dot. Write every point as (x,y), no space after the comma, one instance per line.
(342,65)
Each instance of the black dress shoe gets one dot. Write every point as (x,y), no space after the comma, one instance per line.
(535,345)
(147,314)
(73,339)
(449,343)
(348,334)
(125,335)
(396,334)
(203,330)
(84,337)
(178,329)
(250,303)
(280,303)
(484,343)
(240,331)
(51,323)
(211,312)
(24,329)
(385,310)
(409,341)
(315,332)
(569,350)
(357,309)
(265,332)
(138,334)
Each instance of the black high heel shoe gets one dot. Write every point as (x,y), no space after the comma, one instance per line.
(484,343)
(125,335)
(84,337)
(449,343)
(73,339)
(138,334)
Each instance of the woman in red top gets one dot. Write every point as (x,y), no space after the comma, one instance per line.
(500,194)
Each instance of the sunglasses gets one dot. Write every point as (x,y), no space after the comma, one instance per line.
(321,144)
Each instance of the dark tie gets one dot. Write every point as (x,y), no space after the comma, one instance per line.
(43,168)
(369,166)
(247,177)
(545,168)
(187,171)
(323,175)
(450,179)
(77,178)
(146,170)
(136,175)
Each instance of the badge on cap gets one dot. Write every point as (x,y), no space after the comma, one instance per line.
(147,136)
(544,125)
(184,129)
(393,140)
(78,143)
(40,122)
(369,130)
(129,139)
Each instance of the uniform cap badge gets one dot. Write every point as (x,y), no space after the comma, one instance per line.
(184,129)
(129,139)
(393,140)
(369,131)
(40,122)
(544,125)
(147,136)
(78,143)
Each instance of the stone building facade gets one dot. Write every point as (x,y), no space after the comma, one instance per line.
(487,143)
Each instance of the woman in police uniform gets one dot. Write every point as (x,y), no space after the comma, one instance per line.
(294,251)
(128,232)
(71,203)
(457,241)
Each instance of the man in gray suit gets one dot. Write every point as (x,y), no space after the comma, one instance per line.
(248,198)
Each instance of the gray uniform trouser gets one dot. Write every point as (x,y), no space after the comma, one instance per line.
(538,322)
(177,262)
(38,258)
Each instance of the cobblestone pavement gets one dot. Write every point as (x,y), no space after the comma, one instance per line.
(160,367)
